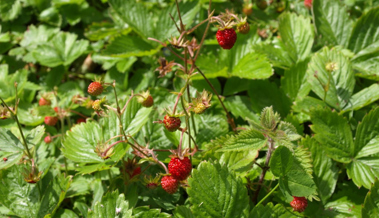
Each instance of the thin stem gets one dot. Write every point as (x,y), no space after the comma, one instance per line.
(230,120)
(111,146)
(265,168)
(19,127)
(180,17)
(176,103)
(272,190)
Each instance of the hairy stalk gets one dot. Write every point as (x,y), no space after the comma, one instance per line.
(272,190)
(265,169)
(187,123)
(230,120)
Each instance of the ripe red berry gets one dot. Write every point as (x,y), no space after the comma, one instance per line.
(136,172)
(95,88)
(51,121)
(169,184)
(308,4)
(171,123)
(180,169)
(299,204)
(43,101)
(226,38)
(80,120)
(47,139)
(5,159)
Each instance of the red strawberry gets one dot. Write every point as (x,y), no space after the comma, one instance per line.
(226,38)
(43,101)
(136,172)
(299,204)
(47,139)
(169,184)
(308,4)
(171,123)
(51,121)
(180,169)
(95,88)
(80,120)
(5,159)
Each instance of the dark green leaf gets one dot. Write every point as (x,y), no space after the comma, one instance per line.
(216,192)
(281,161)
(371,206)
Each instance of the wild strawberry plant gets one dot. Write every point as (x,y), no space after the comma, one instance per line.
(263,108)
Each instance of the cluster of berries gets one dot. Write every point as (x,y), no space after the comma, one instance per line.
(179,170)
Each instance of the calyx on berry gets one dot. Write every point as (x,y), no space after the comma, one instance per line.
(243,26)
(201,102)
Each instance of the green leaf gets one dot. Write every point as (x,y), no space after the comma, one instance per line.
(27,202)
(112,205)
(281,161)
(188,12)
(371,206)
(63,49)
(275,52)
(269,119)
(215,192)
(135,15)
(240,106)
(332,22)
(146,212)
(363,98)
(239,162)
(183,212)
(10,9)
(246,140)
(364,168)
(10,148)
(294,82)
(297,35)
(98,31)
(331,77)
(125,46)
(65,213)
(272,95)
(325,171)
(365,34)
(333,133)
(269,211)
(253,66)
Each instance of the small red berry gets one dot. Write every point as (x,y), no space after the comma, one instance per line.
(226,38)
(180,169)
(308,4)
(51,121)
(47,139)
(95,88)
(80,120)
(43,101)
(151,185)
(299,204)
(169,184)
(5,159)
(171,123)
(136,172)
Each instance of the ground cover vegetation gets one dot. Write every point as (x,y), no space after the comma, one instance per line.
(165,108)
